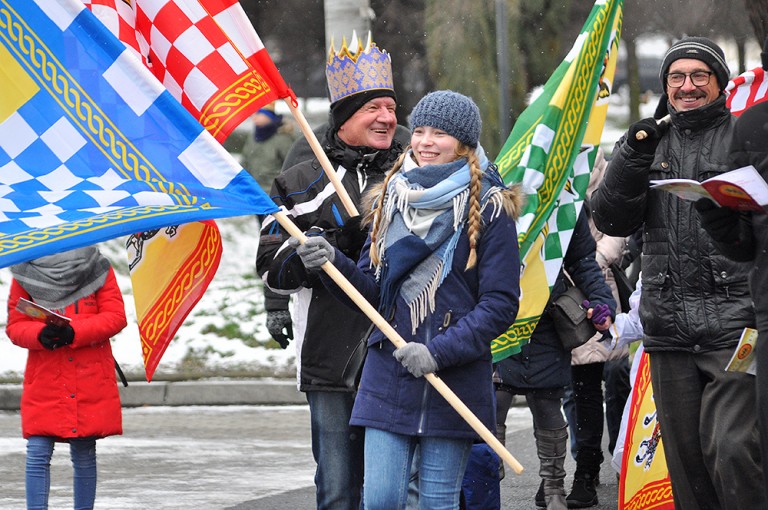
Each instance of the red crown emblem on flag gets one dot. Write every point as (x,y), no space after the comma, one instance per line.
(356,69)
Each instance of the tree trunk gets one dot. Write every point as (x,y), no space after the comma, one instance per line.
(758,15)
(344,16)
(633,79)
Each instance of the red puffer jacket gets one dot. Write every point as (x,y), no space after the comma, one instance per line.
(71,391)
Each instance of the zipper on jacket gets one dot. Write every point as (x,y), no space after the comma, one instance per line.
(423,414)
(425,392)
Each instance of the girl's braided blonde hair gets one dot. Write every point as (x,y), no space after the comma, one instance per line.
(376,196)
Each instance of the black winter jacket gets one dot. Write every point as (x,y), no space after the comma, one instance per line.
(694,299)
(743,236)
(326,330)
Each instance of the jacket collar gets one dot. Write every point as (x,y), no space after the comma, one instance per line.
(701,118)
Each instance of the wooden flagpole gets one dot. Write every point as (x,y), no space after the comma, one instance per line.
(396,339)
(322,158)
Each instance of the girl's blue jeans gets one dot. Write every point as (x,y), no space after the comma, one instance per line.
(388,459)
(38,474)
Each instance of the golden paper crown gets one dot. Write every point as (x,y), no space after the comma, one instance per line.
(356,69)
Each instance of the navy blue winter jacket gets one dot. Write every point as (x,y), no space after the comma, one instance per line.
(472,308)
(543,363)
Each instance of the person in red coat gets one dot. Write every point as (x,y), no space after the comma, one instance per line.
(70,392)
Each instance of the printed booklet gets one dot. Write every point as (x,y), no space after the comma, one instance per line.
(743,359)
(742,189)
(41,313)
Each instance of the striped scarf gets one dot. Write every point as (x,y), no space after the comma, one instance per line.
(424,213)
(58,280)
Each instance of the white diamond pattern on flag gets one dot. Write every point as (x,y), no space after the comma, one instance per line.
(63,139)
(11,174)
(16,135)
(61,179)
(137,94)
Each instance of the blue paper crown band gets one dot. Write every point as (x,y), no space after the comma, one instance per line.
(349,73)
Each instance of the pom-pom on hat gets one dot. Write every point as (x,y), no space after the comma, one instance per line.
(699,48)
(454,113)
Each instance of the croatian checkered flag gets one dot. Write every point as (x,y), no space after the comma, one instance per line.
(205,52)
(92,146)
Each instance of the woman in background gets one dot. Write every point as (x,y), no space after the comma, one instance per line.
(70,393)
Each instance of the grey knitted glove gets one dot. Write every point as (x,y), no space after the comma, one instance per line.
(277,321)
(315,251)
(416,358)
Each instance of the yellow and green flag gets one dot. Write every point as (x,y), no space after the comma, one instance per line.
(551,151)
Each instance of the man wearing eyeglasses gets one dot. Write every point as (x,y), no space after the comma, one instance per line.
(695,303)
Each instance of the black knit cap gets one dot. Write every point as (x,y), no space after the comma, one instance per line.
(344,108)
(699,48)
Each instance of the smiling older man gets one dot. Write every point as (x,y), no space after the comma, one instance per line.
(695,303)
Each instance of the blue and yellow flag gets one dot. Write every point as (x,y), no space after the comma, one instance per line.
(551,151)
(92,146)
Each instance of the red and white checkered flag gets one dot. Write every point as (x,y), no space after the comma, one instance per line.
(210,58)
(205,52)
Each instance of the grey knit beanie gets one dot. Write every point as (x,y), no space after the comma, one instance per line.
(454,113)
(699,48)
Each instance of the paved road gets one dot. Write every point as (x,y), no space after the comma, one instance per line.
(227,458)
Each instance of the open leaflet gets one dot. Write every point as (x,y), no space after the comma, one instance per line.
(743,359)
(41,313)
(742,189)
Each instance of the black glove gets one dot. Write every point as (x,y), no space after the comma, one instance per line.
(720,222)
(56,336)
(277,321)
(653,134)
(351,237)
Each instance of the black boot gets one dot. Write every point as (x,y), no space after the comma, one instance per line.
(585,480)
(583,493)
(539,498)
(550,447)
(501,435)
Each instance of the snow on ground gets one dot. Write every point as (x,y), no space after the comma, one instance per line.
(225,334)
(233,304)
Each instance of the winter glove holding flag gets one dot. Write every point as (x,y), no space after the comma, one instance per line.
(416,358)
(650,133)
(315,251)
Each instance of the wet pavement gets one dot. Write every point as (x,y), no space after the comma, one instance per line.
(233,457)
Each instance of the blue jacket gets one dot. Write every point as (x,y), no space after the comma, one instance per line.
(472,308)
(543,363)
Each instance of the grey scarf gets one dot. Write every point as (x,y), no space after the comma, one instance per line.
(58,280)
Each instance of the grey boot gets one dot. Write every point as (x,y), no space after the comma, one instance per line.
(501,435)
(551,446)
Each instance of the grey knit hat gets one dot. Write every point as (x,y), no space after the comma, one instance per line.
(454,113)
(699,48)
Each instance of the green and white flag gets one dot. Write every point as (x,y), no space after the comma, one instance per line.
(551,151)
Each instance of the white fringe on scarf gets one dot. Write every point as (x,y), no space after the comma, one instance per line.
(425,302)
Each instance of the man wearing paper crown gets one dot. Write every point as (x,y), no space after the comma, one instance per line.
(360,144)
